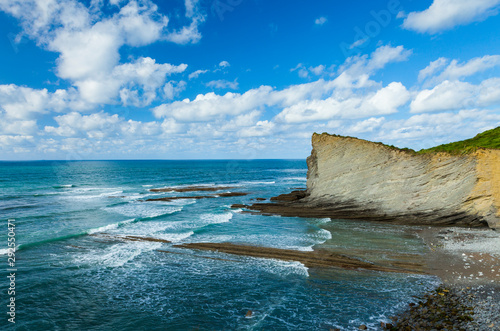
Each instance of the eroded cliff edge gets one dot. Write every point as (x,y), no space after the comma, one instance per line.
(358,179)
(432,188)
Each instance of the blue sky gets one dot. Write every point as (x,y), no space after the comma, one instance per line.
(241,79)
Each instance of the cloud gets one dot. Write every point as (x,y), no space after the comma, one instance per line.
(144,76)
(432,68)
(382,102)
(446,96)
(446,14)
(17,127)
(260,129)
(102,125)
(358,43)
(196,73)
(304,72)
(368,125)
(24,103)
(223,84)
(456,71)
(38,17)
(315,101)
(209,106)
(455,95)
(387,54)
(191,7)
(320,21)
(94,126)
(173,89)
(224,64)
(317,70)
(16,143)
(136,82)
(187,34)
(88,42)
(428,130)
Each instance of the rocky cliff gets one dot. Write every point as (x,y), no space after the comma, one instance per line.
(354,178)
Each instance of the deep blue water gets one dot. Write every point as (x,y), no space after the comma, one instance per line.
(71,276)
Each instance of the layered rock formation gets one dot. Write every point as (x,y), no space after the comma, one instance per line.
(354,178)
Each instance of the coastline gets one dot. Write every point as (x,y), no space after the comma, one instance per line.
(468,262)
(465,259)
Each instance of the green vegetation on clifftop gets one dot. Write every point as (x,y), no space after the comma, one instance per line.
(487,139)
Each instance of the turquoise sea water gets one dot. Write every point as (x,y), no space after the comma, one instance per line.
(72,277)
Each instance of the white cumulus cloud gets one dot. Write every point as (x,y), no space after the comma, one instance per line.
(456,95)
(314,101)
(446,14)
(88,43)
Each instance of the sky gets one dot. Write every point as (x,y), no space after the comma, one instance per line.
(241,79)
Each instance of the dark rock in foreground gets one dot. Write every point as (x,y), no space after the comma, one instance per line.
(443,309)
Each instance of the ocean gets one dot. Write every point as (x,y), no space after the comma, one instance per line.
(72,272)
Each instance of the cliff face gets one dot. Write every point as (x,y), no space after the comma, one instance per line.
(379,182)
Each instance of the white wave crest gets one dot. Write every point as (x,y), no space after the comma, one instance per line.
(110,226)
(91,196)
(116,255)
(147,229)
(144,210)
(207,219)
(5,251)
(283,268)
(174,237)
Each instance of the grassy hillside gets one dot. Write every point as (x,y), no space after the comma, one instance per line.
(487,139)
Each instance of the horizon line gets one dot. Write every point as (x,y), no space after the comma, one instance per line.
(93,160)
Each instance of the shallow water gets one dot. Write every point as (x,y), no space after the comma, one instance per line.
(71,277)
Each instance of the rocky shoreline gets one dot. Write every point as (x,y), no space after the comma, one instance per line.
(452,308)
(467,260)
(468,263)
(355,178)
(299,204)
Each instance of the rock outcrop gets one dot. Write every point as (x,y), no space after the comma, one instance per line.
(351,178)
(435,188)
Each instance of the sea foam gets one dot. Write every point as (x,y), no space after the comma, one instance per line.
(110,226)
(143,210)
